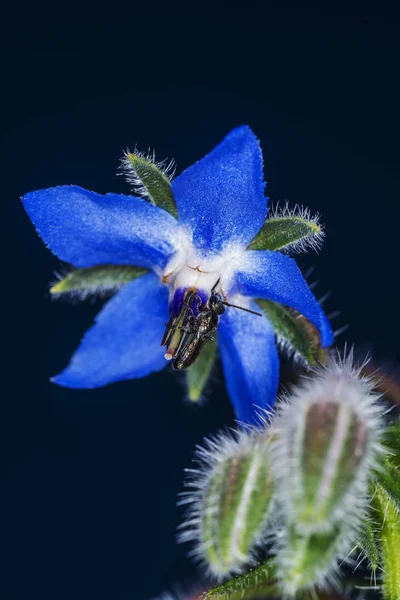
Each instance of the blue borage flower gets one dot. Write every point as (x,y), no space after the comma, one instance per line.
(221,207)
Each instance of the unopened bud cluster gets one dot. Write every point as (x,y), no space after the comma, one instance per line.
(311,466)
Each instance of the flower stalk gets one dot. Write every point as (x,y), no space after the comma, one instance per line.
(388,534)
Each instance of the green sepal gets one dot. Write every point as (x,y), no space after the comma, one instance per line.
(257,583)
(387,515)
(197,375)
(95,279)
(367,543)
(151,181)
(294,329)
(389,478)
(307,560)
(278,233)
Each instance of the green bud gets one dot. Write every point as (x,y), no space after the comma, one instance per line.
(304,561)
(150,179)
(289,230)
(230,503)
(294,332)
(326,449)
(94,280)
(197,375)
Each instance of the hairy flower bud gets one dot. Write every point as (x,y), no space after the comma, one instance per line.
(229,501)
(304,561)
(325,448)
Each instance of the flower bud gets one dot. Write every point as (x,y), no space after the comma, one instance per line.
(304,561)
(326,447)
(229,501)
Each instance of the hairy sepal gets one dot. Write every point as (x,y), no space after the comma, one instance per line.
(368,544)
(150,179)
(289,230)
(198,374)
(257,583)
(296,335)
(306,561)
(99,280)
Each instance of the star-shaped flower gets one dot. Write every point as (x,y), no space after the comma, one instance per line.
(220,237)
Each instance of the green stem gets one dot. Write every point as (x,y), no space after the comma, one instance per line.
(256,583)
(389,540)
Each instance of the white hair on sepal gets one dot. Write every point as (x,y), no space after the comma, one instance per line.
(166,166)
(84,294)
(290,352)
(286,348)
(72,296)
(313,241)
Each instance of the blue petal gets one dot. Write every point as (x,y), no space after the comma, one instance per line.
(221,197)
(125,341)
(86,229)
(250,360)
(277,277)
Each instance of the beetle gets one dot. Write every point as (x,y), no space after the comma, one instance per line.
(181,325)
(199,330)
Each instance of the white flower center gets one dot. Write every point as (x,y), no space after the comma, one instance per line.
(191,267)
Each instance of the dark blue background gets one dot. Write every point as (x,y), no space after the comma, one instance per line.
(91,477)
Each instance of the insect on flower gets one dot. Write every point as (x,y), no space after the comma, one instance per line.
(161,252)
(188,333)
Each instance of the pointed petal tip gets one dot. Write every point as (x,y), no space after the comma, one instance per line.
(242,131)
(64,380)
(69,378)
(326,335)
(221,197)
(242,128)
(57,379)
(50,190)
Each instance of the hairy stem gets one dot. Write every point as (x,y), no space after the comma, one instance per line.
(389,540)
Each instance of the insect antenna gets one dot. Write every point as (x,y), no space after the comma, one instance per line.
(214,287)
(253,312)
